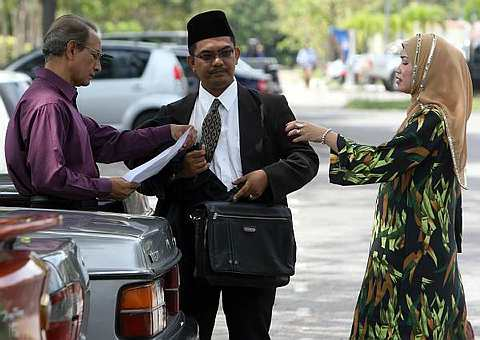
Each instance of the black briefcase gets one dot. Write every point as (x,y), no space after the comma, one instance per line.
(244,244)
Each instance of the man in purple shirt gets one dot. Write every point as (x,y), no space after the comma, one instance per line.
(51,148)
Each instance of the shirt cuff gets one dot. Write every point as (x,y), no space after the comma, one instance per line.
(163,134)
(104,186)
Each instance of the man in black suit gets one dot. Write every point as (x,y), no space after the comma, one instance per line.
(244,151)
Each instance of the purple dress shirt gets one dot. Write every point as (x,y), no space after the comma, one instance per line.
(52,149)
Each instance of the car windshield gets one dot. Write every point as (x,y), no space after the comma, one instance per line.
(11,93)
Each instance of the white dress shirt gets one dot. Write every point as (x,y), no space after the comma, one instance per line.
(226,163)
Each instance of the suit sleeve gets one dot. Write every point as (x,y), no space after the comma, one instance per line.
(297,163)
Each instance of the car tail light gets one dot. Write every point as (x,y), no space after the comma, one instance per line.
(171,289)
(67,313)
(262,85)
(141,310)
(45,310)
(177,72)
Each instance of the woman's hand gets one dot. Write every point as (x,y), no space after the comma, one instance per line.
(304,131)
(308,132)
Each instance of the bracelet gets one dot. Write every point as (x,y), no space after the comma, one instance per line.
(322,139)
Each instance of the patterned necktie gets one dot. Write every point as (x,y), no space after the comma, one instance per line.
(211,127)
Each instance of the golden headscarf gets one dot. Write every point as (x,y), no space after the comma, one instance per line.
(441,77)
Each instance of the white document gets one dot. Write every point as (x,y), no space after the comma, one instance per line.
(153,166)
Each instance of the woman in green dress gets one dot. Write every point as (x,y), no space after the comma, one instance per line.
(412,287)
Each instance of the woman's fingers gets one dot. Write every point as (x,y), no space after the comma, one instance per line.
(294,125)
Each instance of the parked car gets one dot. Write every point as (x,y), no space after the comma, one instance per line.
(173,37)
(12,86)
(132,263)
(139,79)
(24,299)
(244,73)
(360,65)
(68,285)
(336,70)
(131,260)
(384,65)
(270,66)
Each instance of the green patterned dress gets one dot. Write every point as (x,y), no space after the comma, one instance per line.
(412,288)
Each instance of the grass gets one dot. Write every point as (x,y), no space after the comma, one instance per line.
(369,104)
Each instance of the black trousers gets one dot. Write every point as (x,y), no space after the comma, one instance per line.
(248,311)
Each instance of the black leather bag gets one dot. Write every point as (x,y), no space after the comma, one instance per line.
(244,244)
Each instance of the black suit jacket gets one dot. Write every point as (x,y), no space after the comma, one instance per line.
(263,145)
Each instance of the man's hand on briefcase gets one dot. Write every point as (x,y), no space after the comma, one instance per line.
(193,164)
(252,185)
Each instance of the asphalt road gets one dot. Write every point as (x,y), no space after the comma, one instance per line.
(333,227)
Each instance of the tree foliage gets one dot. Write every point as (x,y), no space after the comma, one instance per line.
(283,26)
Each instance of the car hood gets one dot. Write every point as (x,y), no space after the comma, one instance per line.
(115,244)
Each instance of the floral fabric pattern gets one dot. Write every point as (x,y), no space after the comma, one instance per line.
(412,288)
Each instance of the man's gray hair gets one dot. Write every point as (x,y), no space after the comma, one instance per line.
(63,29)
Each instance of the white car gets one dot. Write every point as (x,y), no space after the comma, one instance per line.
(12,86)
(384,65)
(141,78)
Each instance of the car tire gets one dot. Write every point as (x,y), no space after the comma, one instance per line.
(390,83)
(143,117)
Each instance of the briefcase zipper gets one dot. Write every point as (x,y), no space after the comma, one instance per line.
(215,215)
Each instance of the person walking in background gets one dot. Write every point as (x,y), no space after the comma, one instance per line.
(51,148)
(307,60)
(412,287)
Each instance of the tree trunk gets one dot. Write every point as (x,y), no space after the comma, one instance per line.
(48,14)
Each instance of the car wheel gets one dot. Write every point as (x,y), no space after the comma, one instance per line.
(390,83)
(143,117)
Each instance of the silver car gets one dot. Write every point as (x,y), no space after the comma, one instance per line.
(132,264)
(68,285)
(141,78)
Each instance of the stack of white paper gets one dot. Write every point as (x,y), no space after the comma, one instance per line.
(153,166)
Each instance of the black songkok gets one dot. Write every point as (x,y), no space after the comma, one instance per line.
(207,25)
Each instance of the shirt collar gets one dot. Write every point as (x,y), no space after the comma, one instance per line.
(67,89)
(227,98)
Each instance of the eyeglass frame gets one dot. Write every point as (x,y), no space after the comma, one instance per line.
(215,55)
(96,54)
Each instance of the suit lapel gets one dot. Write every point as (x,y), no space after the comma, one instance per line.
(182,111)
(251,132)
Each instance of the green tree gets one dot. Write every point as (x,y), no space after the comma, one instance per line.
(472,10)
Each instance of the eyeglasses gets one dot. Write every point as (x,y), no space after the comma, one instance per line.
(210,57)
(96,54)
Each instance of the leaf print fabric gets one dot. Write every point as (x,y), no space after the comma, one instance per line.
(412,288)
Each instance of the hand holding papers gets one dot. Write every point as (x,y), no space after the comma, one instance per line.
(153,166)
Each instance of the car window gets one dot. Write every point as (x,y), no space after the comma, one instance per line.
(31,66)
(125,64)
(11,93)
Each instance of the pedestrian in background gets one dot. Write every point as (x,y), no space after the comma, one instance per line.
(412,286)
(51,148)
(307,60)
